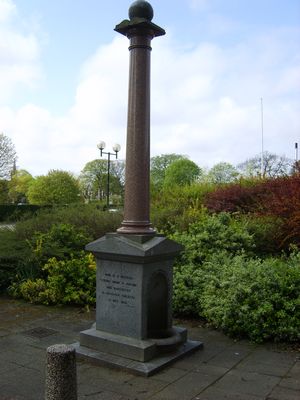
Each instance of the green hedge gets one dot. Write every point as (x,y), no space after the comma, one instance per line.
(13,212)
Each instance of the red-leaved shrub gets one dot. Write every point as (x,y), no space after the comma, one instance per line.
(279,198)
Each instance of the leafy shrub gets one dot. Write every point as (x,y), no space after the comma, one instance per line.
(61,241)
(188,283)
(258,299)
(236,197)
(57,232)
(278,198)
(25,257)
(218,278)
(71,281)
(211,234)
(264,231)
(14,212)
(23,212)
(176,208)
(87,217)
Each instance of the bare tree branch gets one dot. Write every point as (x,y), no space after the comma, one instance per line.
(8,156)
(273,166)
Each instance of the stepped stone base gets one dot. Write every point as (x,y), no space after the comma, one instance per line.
(126,353)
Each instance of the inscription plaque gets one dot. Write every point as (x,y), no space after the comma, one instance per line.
(119,289)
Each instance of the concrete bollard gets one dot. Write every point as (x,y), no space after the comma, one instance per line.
(61,381)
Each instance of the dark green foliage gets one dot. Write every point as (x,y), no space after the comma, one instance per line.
(12,255)
(25,258)
(264,230)
(14,212)
(4,188)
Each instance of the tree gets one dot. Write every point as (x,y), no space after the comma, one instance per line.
(159,165)
(117,171)
(222,172)
(181,172)
(57,187)
(7,156)
(19,186)
(273,166)
(93,179)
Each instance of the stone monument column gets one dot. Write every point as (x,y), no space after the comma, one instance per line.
(133,328)
(140,31)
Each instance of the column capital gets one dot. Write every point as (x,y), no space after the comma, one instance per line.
(139,26)
(139,23)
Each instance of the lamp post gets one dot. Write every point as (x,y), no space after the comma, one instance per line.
(116,149)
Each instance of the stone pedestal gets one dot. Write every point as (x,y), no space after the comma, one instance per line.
(133,327)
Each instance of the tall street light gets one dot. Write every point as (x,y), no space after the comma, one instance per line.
(116,149)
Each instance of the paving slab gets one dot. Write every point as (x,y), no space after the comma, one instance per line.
(280,393)
(224,369)
(213,393)
(247,383)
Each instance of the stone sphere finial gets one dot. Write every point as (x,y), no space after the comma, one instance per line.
(141,9)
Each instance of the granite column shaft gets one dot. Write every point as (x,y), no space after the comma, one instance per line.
(137,174)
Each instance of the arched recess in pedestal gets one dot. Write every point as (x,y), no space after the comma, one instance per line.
(157,306)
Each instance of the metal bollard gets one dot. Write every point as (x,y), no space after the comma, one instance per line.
(61,381)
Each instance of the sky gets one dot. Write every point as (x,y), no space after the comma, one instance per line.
(64,80)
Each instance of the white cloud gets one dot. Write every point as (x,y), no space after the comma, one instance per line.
(205,104)
(220,120)
(7,10)
(19,54)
